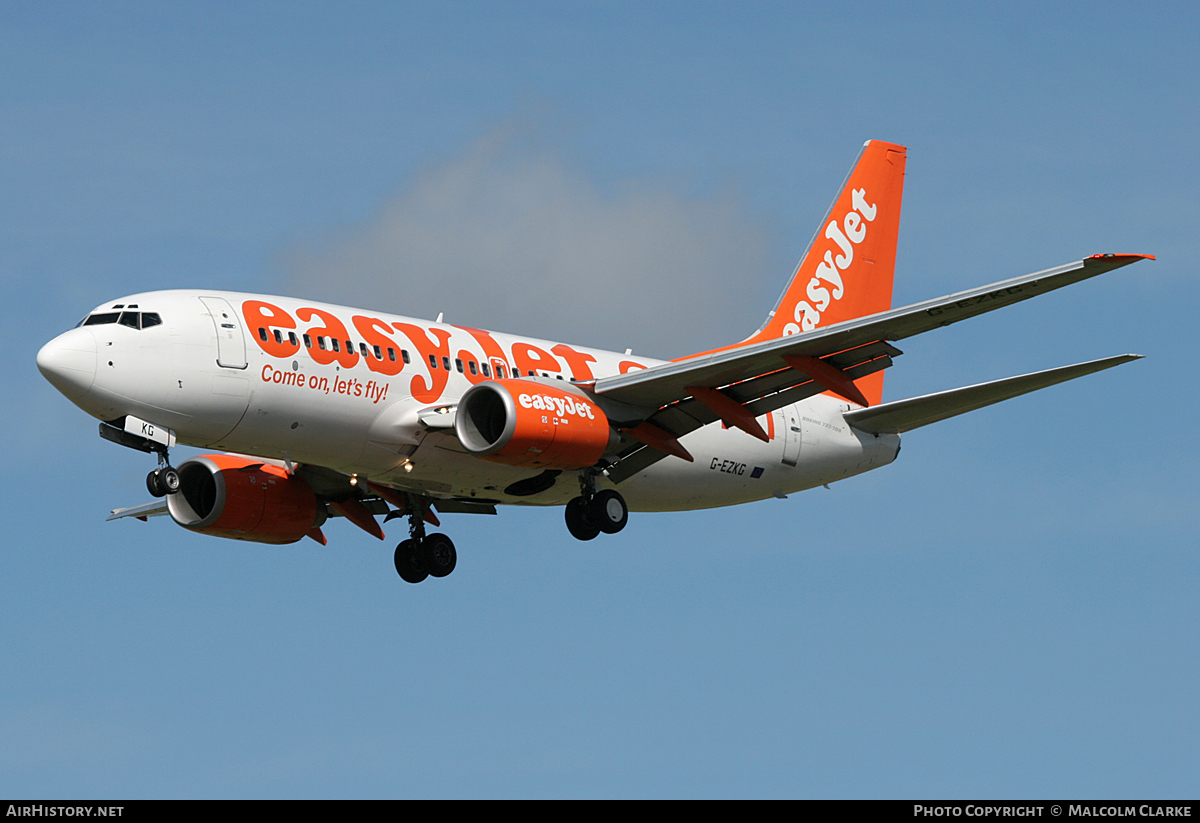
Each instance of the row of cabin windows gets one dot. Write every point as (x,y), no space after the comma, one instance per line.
(329,343)
(333,344)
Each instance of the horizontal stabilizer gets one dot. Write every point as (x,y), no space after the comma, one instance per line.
(905,415)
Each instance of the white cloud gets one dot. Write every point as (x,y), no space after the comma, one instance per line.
(504,236)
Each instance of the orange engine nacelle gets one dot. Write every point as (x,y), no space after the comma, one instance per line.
(531,425)
(243,499)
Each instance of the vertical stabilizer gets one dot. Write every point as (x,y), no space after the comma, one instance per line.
(847,270)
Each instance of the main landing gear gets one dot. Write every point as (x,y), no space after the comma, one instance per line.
(595,511)
(423,555)
(165,479)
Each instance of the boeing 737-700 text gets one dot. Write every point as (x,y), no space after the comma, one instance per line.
(319,410)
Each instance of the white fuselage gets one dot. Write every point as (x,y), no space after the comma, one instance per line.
(207,373)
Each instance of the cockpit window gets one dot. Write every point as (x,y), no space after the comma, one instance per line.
(131,319)
(101,318)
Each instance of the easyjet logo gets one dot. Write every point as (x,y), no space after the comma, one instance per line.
(562,406)
(826,284)
(439,352)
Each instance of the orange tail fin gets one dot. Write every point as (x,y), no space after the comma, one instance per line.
(847,270)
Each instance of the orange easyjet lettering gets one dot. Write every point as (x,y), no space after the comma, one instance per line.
(268,317)
(529,358)
(335,338)
(427,391)
(378,336)
(577,362)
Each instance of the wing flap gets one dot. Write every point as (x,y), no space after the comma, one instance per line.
(465,505)
(906,415)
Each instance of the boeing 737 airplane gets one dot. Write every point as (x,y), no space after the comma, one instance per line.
(317,410)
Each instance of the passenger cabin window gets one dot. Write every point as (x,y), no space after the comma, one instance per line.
(404,356)
(471,364)
(291,334)
(336,345)
(458,365)
(262,334)
(487,372)
(445,363)
(321,343)
(379,353)
(432,361)
(278,336)
(391,354)
(307,342)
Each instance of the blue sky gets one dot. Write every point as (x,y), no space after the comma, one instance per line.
(1009,610)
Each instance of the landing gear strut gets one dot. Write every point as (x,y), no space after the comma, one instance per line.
(595,511)
(165,479)
(423,555)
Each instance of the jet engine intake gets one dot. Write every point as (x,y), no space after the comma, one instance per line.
(532,425)
(243,499)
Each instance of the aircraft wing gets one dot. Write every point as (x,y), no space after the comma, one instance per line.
(155,508)
(906,415)
(759,378)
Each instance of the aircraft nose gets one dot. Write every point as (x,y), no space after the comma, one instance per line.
(69,362)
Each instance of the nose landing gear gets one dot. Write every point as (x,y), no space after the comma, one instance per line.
(595,511)
(165,479)
(153,439)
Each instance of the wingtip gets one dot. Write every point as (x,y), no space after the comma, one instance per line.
(1111,255)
